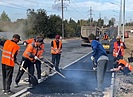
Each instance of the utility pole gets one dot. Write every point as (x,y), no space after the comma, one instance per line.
(100,19)
(62,8)
(62,15)
(90,13)
(120,16)
(123,31)
(90,16)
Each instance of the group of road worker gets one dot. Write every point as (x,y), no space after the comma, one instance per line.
(34,53)
(100,60)
(118,52)
(31,57)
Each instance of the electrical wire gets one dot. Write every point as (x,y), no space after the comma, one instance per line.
(14,4)
(11,7)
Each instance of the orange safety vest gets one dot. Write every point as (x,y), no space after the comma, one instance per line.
(54,49)
(29,40)
(40,51)
(117,49)
(126,64)
(31,49)
(105,37)
(8,52)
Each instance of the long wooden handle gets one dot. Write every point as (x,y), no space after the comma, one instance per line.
(51,67)
(21,67)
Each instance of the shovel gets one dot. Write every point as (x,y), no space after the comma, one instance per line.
(33,79)
(51,67)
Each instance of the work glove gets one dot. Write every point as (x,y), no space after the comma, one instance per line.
(36,58)
(92,58)
(111,69)
(116,54)
(25,44)
(42,62)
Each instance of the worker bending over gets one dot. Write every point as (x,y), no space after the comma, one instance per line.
(123,66)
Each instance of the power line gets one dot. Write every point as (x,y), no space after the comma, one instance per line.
(31,1)
(62,12)
(71,14)
(12,7)
(90,13)
(13,4)
(76,10)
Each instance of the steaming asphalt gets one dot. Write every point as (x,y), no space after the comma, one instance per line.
(72,50)
(80,79)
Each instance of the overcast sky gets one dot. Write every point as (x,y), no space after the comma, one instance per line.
(75,9)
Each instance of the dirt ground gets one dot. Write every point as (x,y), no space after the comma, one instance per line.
(124,83)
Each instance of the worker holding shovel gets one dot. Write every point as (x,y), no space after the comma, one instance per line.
(40,53)
(29,57)
(99,56)
(9,53)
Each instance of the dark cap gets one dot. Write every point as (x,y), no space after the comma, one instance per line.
(57,37)
(39,39)
(17,36)
(91,36)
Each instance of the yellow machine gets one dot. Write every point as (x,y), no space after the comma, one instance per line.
(106,45)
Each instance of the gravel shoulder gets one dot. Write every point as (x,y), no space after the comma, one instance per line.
(123,83)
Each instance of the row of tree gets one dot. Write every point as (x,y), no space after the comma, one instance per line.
(39,22)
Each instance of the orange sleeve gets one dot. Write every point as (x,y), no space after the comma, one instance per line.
(29,40)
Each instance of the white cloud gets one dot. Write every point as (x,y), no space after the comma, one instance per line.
(83,6)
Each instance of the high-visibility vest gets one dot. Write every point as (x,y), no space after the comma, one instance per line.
(40,51)
(126,64)
(117,49)
(30,49)
(54,49)
(8,52)
(29,40)
(105,37)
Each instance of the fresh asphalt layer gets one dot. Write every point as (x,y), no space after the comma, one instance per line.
(80,81)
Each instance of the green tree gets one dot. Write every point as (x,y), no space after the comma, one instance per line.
(4,17)
(100,22)
(112,22)
(41,22)
(31,17)
(54,25)
(37,22)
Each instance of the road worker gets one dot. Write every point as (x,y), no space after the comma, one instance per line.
(40,51)
(118,50)
(9,53)
(30,55)
(99,56)
(123,66)
(105,36)
(56,50)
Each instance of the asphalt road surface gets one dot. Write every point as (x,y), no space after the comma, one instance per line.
(80,81)
(72,50)
(76,66)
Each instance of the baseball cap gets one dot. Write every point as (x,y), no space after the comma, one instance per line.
(17,36)
(57,37)
(39,39)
